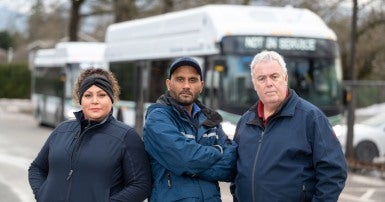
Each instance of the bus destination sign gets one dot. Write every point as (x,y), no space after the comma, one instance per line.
(282,43)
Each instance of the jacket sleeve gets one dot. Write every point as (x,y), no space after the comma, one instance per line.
(167,145)
(225,168)
(38,170)
(329,161)
(136,170)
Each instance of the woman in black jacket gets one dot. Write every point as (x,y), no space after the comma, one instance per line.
(95,157)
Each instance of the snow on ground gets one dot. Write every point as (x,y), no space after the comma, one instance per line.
(371,110)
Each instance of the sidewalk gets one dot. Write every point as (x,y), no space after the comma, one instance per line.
(363,188)
(16,105)
(371,179)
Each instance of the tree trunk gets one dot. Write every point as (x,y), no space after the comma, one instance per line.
(74,20)
(124,10)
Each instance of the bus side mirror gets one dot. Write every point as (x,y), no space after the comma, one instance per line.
(347,95)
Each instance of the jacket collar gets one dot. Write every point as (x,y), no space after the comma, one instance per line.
(79,115)
(213,117)
(287,108)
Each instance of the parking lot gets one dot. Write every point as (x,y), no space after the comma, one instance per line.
(22,138)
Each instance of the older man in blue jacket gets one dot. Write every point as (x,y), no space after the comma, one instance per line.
(287,150)
(189,151)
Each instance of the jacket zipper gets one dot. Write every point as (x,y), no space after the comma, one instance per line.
(70,174)
(75,149)
(71,171)
(255,165)
(303,193)
(169,182)
(78,140)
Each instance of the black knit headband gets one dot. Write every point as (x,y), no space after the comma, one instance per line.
(98,81)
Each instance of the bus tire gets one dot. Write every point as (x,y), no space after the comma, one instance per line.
(58,117)
(119,115)
(39,118)
(366,151)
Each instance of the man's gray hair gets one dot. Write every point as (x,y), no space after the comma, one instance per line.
(267,56)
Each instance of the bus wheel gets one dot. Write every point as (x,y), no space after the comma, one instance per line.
(39,118)
(119,115)
(58,118)
(366,151)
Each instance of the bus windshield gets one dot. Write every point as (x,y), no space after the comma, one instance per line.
(314,79)
(72,72)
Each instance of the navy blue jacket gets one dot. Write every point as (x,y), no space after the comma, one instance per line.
(106,162)
(186,166)
(295,158)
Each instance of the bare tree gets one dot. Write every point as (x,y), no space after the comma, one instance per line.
(43,25)
(36,18)
(74,19)
(369,58)
(168,5)
(124,10)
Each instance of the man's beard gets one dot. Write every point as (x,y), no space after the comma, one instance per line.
(186,103)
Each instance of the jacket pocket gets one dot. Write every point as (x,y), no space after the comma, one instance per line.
(307,194)
(176,188)
(169,180)
(41,190)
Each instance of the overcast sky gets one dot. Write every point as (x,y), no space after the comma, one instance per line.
(13,13)
(24,6)
(16,5)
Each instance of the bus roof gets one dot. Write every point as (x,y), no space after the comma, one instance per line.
(198,31)
(70,52)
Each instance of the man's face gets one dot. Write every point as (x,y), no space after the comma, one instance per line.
(185,85)
(270,82)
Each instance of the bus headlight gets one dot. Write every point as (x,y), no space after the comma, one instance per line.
(229,128)
(340,132)
(69,113)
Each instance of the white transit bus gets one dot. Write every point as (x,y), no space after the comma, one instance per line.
(54,72)
(224,38)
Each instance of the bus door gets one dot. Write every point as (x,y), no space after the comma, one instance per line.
(152,85)
(214,67)
(142,70)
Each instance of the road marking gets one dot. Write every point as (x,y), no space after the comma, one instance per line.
(352,198)
(366,180)
(19,162)
(363,188)
(369,193)
(16,166)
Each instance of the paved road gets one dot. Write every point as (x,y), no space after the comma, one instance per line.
(21,139)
